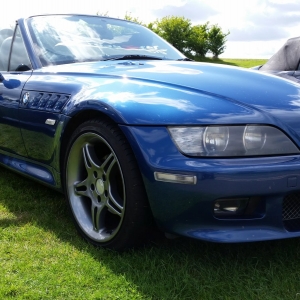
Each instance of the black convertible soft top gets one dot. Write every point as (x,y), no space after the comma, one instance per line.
(286,59)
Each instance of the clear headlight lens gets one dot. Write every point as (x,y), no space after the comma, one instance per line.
(248,140)
(215,139)
(254,138)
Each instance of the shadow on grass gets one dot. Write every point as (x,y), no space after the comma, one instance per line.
(17,220)
(167,269)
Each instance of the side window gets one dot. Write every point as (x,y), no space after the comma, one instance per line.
(19,60)
(6,35)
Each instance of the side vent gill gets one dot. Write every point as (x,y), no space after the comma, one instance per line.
(44,101)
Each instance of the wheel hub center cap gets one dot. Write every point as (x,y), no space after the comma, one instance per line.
(100,186)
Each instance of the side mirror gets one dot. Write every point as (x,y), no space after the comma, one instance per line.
(1,78)
(22,68)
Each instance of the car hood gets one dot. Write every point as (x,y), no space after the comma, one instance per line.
(222,93)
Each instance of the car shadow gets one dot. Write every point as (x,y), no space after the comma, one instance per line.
(163,269)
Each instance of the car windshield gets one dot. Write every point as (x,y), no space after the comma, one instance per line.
(67,39)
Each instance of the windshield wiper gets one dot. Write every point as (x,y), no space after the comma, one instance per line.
(132,56)
(185,59)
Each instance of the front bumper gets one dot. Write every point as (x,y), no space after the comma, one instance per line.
(188,209)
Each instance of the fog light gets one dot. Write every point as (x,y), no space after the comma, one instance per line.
(230,207)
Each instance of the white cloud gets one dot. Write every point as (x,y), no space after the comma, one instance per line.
(257,27)
(194,10)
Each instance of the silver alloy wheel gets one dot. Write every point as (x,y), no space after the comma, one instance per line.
(95,187)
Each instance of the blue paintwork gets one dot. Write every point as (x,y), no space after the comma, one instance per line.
(25,167)
(187,209)
(143,97)
(216,91)
(10,92)
(207,94)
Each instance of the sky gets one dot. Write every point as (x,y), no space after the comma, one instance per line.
(258,28)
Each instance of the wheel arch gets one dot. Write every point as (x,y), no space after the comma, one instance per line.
(73,123)
(140,218)
(77,120)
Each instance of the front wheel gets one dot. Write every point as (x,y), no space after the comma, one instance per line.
(104,188)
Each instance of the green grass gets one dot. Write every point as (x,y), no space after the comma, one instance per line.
(41,257)
(245,63)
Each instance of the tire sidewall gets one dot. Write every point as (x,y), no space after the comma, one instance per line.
(135,206)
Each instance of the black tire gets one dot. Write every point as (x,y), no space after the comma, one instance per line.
(104,188)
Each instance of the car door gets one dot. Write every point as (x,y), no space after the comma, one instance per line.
(15,70)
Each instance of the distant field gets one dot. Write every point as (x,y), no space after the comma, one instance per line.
(245,63)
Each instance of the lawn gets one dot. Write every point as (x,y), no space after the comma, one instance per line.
(42,257)
(245,63)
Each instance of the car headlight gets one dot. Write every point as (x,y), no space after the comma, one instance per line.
(254,137)
(215,139)
(248,140)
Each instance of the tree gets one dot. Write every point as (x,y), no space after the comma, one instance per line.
(191,40)
(176,30)
(102,14)
(128,17)
(198,41)
(216,40)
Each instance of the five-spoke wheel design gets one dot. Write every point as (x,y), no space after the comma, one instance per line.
(104,186)
(95,187)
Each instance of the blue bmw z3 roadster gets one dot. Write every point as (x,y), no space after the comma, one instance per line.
(135,134)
